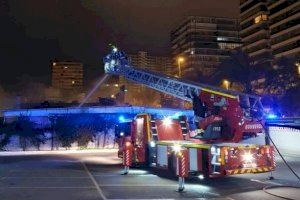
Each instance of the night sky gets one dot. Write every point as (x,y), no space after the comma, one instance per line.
(34,32)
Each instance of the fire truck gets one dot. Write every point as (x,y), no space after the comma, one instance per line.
(226,136)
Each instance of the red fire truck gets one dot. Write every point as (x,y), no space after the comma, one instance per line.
(223,138)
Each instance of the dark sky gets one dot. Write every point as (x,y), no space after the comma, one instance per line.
(34,32)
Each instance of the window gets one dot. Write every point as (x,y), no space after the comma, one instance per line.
(260,18)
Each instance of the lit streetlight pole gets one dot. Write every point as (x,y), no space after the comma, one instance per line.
(179,61)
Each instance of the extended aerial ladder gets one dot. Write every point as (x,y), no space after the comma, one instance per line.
(117,63)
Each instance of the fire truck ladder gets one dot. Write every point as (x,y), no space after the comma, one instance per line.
(116,63)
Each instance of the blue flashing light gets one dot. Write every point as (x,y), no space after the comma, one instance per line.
(175,116)
(271,116)
(121,118)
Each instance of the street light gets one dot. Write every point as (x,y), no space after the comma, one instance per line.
(226,84)
(298,67)
(179,61)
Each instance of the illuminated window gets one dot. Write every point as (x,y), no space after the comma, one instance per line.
(260,18)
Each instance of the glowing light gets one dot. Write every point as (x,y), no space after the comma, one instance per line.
(152,144)
(201,176)
(271,116)
(248,157)
(121,118)
(176,115)
(177,148)
(180,59)
(298,67)
(54,64)
(73,82)
(115,49)
(122,134)
(167,121)
(226,83)
(127,144)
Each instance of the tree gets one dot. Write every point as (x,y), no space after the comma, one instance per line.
(290,102)
(26,130)
(281,77)
(65,130)
(4,135)
(238,69)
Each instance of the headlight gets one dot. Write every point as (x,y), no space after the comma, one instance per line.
(176,148)
(201,176)
(248,157)
(167,121)
(152,144)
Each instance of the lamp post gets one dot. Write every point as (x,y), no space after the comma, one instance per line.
(179,61)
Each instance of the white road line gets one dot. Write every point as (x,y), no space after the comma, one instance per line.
(94,181)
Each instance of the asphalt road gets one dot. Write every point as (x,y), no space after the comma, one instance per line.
(97,175)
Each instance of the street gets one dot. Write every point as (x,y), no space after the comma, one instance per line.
(97,175)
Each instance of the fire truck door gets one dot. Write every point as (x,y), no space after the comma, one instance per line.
(139,140)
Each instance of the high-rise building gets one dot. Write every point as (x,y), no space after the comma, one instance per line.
(143,60)
(255,30)
(204,42)
(270,29)
(67,76)
(284,21)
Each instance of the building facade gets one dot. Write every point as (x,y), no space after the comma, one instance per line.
(270,29)
(67,76)
(204,42)
(284,21)
(138,93)
(255,30)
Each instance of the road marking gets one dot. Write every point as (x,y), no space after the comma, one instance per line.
(265,182)
(94,181)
